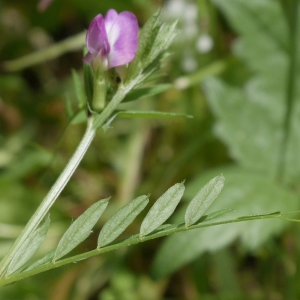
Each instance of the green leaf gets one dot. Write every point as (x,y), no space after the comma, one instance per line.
(155,65)
(275,213)
(145,92)
(80,229)
(250,115)
(162,209)
(146,38)
(42,261)
(163,40)
(156,77)
(203,200)
(79,117)
(150,114)
(207,220)
(216,215)
(261,40)
(88,83)
(144,115)
(242,124)
(121,220)
(154,40)
(28,248)
(248,193)
(79,89)
(69,108)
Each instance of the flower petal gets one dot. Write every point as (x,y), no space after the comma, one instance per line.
(96,37)
(122,31)
(88,58)
(110,18)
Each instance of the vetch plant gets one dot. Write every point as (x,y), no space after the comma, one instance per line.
(118,63)
(109,47)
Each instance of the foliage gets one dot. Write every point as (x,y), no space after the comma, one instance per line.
(224,102)
(251,119)
(248,193)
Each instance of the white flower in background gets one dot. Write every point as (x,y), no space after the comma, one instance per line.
(189,64)
(187,14)
(173,9)
(190,12)
(190,38)
(190,30)
(204,43)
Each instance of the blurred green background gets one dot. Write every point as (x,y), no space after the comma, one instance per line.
(235,68)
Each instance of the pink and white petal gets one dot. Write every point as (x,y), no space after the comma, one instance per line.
(123,39)
(110,19)
(96,35)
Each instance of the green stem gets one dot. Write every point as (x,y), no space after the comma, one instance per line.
(93,124)
(136,239)
(291,86)
(111,106)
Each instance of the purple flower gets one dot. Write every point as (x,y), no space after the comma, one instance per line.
(112,41)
